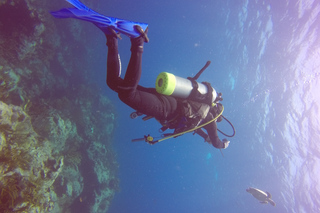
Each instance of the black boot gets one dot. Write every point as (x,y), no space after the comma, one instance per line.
(112,38)
(137,43)
(112,42)
(142,33)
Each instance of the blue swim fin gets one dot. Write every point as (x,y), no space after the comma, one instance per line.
(83,12)
(77,4)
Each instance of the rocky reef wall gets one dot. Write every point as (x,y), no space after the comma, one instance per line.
(55,128)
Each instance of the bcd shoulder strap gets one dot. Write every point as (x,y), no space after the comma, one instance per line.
(195,95)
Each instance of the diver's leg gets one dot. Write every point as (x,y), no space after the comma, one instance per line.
(149,103)
(133,73)
(113,64)
(139,98)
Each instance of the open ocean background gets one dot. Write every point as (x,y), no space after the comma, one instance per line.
(266,61)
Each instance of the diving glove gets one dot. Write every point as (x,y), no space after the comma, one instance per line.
(226,143)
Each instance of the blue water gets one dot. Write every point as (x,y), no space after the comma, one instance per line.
(266,61)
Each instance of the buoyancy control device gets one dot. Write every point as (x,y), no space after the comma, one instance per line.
(172,85)
(192,94)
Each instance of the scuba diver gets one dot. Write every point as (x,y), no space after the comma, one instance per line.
(185,111)
(168,110)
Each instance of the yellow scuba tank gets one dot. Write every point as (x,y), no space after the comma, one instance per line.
(169,84)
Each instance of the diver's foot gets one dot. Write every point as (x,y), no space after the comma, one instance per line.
(138,42)
(142,33)
(108,31)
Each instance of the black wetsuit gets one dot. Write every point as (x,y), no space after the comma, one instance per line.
(146,100)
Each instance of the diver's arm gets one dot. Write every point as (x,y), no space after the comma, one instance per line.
(213,134)
(202,134)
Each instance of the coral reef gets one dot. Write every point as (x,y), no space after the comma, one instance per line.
(101,156)
(27,169)
(55,129)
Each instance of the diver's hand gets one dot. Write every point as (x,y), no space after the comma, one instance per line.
(225,143)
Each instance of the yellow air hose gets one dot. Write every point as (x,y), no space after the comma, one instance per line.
(191,130)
